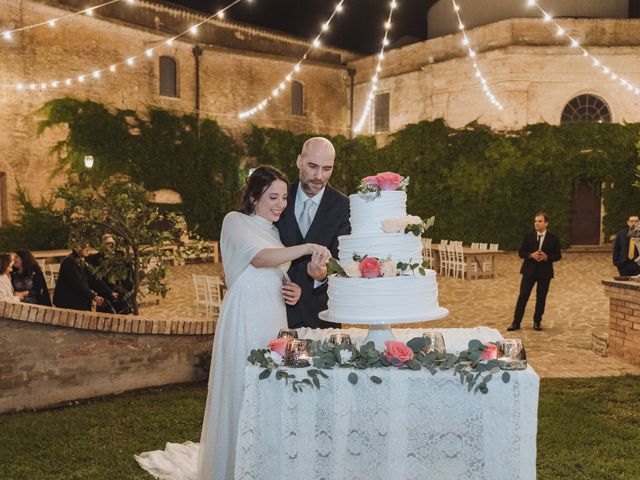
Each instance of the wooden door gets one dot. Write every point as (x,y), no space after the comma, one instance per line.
(585,213)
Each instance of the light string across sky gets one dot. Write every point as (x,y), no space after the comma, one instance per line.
(374,80)
(128,61)
(574,43)
(472,55)
(296,68)
(52,22)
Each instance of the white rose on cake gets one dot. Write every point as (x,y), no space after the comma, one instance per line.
(389,269)
(353,270)
(397,225)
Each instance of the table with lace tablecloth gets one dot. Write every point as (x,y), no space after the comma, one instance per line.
(413,425)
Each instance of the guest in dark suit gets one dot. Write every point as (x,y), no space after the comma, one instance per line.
(624,255)
(77,287)
(124,287)
(315,213)
(539,249)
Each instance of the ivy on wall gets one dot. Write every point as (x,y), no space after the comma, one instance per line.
(481,185)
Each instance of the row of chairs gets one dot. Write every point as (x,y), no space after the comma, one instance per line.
(452,260)
(208,292)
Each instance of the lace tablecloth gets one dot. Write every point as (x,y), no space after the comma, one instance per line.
(412,426)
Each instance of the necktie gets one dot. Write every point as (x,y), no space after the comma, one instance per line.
(304,222)
(539,239)
(631,254)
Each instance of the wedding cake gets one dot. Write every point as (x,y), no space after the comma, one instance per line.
(380,277)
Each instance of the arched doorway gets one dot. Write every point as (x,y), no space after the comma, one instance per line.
(585,208)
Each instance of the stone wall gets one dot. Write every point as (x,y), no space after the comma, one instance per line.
(240,65)
(530,70)
(624,320)
(49,356)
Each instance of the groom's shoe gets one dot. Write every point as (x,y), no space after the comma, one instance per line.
(537,326)
(513,327)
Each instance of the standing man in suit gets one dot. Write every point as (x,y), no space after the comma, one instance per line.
(539,249)
(625,252)
(315,213)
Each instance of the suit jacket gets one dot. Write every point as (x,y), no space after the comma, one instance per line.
(550,246)
(621,248)
(330,222)
(39,292)
(77,286)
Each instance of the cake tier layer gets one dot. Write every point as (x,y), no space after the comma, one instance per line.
(366,216)
(400,247)
(403,299)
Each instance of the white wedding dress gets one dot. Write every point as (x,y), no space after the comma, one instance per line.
(252,313)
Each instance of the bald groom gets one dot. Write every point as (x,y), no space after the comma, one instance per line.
(315,213)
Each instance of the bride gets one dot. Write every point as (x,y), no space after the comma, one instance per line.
(255,264)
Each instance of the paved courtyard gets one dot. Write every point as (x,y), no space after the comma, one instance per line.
(576,307)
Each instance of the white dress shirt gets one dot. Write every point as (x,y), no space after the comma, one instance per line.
(541,239)
(7,293)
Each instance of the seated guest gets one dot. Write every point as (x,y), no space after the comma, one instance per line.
(7,294)
(123,287)
(27,277)
(77,287)
(625,253)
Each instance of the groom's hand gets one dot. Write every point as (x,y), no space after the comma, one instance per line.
(291,293)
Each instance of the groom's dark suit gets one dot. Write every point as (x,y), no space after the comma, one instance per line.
(536,272)
(331,221)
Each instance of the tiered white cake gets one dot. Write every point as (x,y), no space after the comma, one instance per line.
(408,297)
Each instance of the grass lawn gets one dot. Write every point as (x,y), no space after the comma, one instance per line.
(587,429)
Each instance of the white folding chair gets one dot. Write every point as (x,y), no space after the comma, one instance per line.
(427,253)
(451,259)
(52,278)
(444,260)
(483,246)
(475,246)
(459,264)
(201,291)
(494,247)
(214,293)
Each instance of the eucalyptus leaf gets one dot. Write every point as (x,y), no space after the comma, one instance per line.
(375,379)
(353,378)
(265,374)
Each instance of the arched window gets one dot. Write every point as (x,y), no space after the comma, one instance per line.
(586,108)
(297,98)
(168,77)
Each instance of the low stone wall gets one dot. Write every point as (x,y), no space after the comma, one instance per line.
(624,320)
(49,355)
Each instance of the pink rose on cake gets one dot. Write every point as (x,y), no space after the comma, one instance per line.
(389,180)
(490,353)
(353,270)
(389,269)
(372,180)
(370,268)
(399,351)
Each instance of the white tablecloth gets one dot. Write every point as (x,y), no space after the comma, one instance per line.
(412,426)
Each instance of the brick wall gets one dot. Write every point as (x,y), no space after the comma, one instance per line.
(624,320)
(50,356)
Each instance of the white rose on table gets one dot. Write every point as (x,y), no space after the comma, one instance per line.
(353,270)
(345,356)
(275,356)
(389,269)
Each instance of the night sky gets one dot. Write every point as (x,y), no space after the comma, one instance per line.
(359,27)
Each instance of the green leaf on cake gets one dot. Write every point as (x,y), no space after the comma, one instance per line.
(353,378)
(334,268)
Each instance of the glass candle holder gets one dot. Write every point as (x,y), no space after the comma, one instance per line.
(298,353)
(511,354)
(340,339)
(288,333)
(437,343)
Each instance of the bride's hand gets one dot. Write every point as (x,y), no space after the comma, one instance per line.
(291,293)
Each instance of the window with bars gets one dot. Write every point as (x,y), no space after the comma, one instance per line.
(168,77)
(297,98)
(381,113)
(586,108)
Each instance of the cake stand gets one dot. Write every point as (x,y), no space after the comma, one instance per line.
(380,328)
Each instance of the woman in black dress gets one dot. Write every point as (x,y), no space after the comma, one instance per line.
(27,276)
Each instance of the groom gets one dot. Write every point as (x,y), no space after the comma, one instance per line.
(315,213)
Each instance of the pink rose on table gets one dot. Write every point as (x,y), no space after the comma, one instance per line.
(278,345)
(370,268)
(373,180)
(491,353)
(399,351)
(389,180)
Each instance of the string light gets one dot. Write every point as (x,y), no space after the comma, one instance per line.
(7,34)
(574,43)
(374,80)
(96,73)
(316,43)
(472,54)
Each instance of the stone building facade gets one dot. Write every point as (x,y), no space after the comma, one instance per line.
(239,65)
